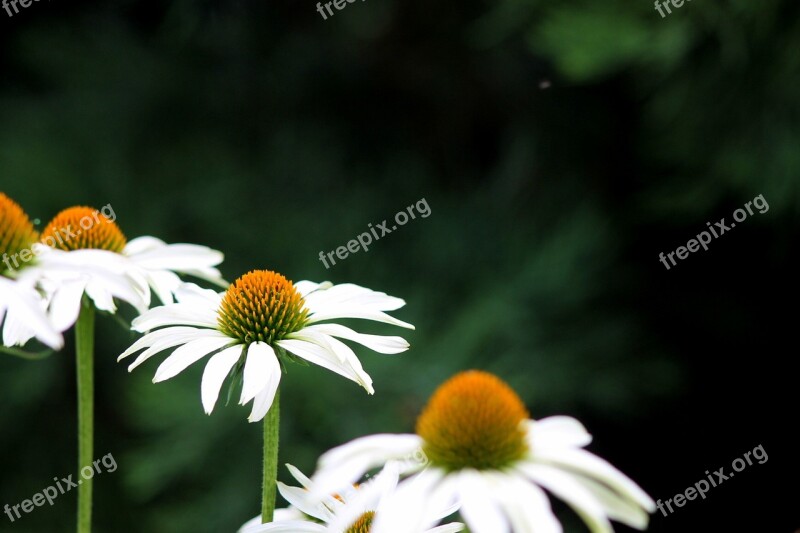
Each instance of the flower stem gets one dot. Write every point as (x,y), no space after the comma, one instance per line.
(270,488)
(84,352)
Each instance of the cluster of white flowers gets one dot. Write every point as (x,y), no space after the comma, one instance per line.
(485,459)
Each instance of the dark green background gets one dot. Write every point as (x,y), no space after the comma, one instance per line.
(561,147)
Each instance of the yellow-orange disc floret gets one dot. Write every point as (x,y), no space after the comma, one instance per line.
(363,524)
(81,228)
(262,306)
(16,230)
(473,420)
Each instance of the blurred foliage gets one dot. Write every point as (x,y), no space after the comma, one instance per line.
(261,130)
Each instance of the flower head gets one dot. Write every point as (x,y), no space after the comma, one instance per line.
(487,457)
(260,321)
(84,252)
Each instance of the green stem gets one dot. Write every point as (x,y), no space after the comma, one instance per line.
(84,353)
(270,488)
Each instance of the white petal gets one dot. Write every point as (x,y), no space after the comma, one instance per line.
(342,466)
(217,369)
(616,506)
(26,316)
(378,343)
(286,527)
(173,340)
(178,257)
(557,432)
(302,500)
(393,512)
(592,466)
(348,294)
(176,315)
(334,312)
(188,354)
(526,506)
(299,476)
(448,528)
(573,493)
(65,305)
(259,365)
(325,358)
(142,244)
(189,293)
(263,400)
(478,507)
(307,287)
(153,337)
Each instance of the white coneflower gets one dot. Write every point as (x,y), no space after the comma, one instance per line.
(21,306)
(88,254)
(261,316)
(487,456)
(353,511)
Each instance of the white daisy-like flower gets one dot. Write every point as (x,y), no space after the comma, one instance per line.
(488,457)
(22,312)
(85,252)
(263,317)
(351,511)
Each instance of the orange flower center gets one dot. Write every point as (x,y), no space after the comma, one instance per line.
(262,306)
(16,231)
(80,228)
(473,420)
(363,524)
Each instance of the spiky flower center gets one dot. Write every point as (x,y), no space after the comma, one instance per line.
(363,524)
(262,306)
(473,420)
(80,228)
(16,230)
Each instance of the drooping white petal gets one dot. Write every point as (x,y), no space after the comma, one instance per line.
(378,343)
(616,506)
(25,316)
(592,466)
(526,506)
(154,337)
(259,365)
(413,493)
(573,493)
(188,354)
(325,358)
(263,400)
(164,283)
(176,315)
(480,511)
(171,341)
(65,305)
(217,369)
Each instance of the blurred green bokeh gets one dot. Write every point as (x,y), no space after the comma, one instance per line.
(560,146)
